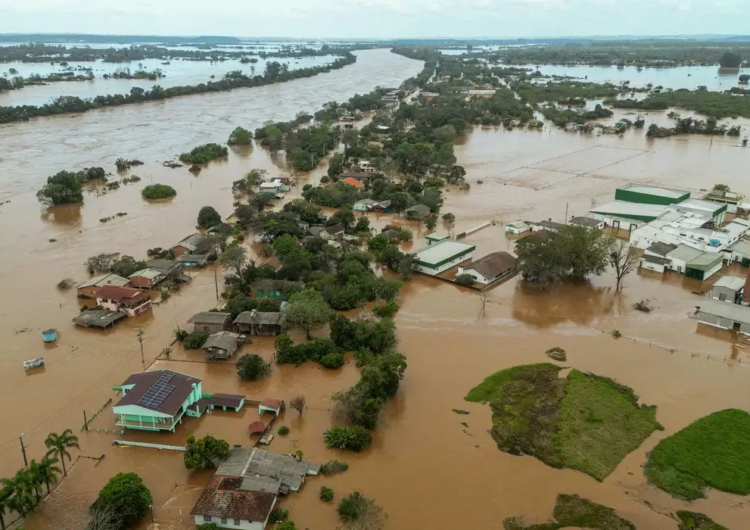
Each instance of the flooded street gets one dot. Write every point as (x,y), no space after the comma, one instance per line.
(424,468)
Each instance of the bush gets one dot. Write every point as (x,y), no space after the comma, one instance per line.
(333,467)
(127,497)
(333,360)
(556,354)
(386,310)
(352,507)
(348,438)
(278,515)
(466,280)
(195,341)
(251,367)
(158,191)
(203,453)
(204,153)
(326,494)
(240,136)
(283,430)
(208,217)
(315,350)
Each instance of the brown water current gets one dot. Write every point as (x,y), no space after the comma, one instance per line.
(425,469)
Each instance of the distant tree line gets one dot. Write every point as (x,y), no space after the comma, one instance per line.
(274,73)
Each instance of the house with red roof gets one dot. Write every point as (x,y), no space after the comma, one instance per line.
(130,301)
(354,183)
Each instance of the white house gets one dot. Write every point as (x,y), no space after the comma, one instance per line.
(489,268)
(437,258)
(517,227)
(227,506)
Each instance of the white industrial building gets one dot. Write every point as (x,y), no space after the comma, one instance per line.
(437,258)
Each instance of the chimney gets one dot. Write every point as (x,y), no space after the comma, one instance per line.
(746,290)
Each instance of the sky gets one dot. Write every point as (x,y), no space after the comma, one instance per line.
(377,18)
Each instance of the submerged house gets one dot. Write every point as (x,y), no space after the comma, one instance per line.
(130,301)
(259,323)
(490,268)
(437,258)
(90,287)
(210,322)
(732,317)
(729,289)
(156,400)
(417,212)
(190,245)
(221,346)
(147,278)
(276,289)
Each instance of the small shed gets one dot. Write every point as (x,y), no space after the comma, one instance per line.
(490,268)
(270,405)
(653,263)
(365,205)
(221,346)
(259,323)
(704,266)
(732,317)
(417,212)
(728,289)
(223,229)
(517,227)
(210,322)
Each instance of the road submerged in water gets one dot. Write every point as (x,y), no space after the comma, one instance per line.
(424,468)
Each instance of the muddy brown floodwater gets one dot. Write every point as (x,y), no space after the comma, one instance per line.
(425,469)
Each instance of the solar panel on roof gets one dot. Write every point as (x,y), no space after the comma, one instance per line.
(158,392)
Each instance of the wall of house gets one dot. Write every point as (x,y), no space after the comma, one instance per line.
(724,294)
(677,265)
(230,523)
(179,250)
(652,266)
(474,274)
(721,322)
(201,327)
(713,270)
(87,292)
(444,267)
(140,282)
(624,223)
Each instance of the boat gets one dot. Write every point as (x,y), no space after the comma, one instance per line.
(49,335)
(33,363)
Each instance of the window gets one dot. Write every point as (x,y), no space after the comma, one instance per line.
(206,518)
(237,522)
(223,520)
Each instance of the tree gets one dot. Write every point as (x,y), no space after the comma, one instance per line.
(208,217)
(286,245)
(623,259)
(48,472)
(308,311)
(5,495)
(240,136)
(298,404)
(201,454)
(158,191)
(360,513)
(430,221)
(464,279)
(730,60)
(125,496)
(348,438)
(101,519)
(336,165)
(126,266)
(64,187)
(449,218)
(101,262)
(251,367)
(20,492)
(58,445)
(446,133)
(744,79)
(234,258)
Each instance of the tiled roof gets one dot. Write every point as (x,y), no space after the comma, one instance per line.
(223,498)
(113,292)
(353,182)
(493,264)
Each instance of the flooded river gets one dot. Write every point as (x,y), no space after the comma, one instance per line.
(424,469)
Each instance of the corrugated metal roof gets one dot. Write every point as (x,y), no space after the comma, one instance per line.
(705,261)
(736,312)
(735,283)
(684,253)
(630,208)
(104,279)
(652,190)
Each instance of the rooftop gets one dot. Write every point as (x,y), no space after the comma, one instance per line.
(585,221)
(149,274)
(736,312)
(223,498)
(163,264)
(655,259)
(662,249)
(651,190)
(445,250)
(493,264)
(209,317)
(260,317)
(335,229)
(162,391)
(192,258)
(118,294)
(742,246)
(625,208)
(684,253)
(251,464)
(352,182)
(699,205)
(705,260)
(104,279)
(421,209)
(226,400)
(735,283)
(98,318)
(223,340)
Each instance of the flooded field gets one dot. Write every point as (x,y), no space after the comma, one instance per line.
(424,468)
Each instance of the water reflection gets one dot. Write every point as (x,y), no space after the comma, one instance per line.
(65,214)
(580,303)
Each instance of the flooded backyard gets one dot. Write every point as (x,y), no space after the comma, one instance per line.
(425,469)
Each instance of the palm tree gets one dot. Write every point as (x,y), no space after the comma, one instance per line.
(35,479)
(58,445)
(5,494)
(21,499)
(48,472)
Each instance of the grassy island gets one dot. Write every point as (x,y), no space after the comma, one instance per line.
(712,452)
(158,191)
(582,422)
(572,511)
(204,154)
(696,521)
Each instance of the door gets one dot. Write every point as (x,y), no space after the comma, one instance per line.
(616,224)
(736,326)
(633,226)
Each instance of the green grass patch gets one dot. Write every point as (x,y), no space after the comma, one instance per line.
(713,451)
(572,511)
(696,521)
(600,423)
(582,422)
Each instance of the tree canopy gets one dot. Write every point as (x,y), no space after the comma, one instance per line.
(308,310)
(203,453)
(125,496)
(208,217)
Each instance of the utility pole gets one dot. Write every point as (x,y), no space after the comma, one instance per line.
(566,213)
(85,421)
(216,285)
(140,340)
(23,452)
